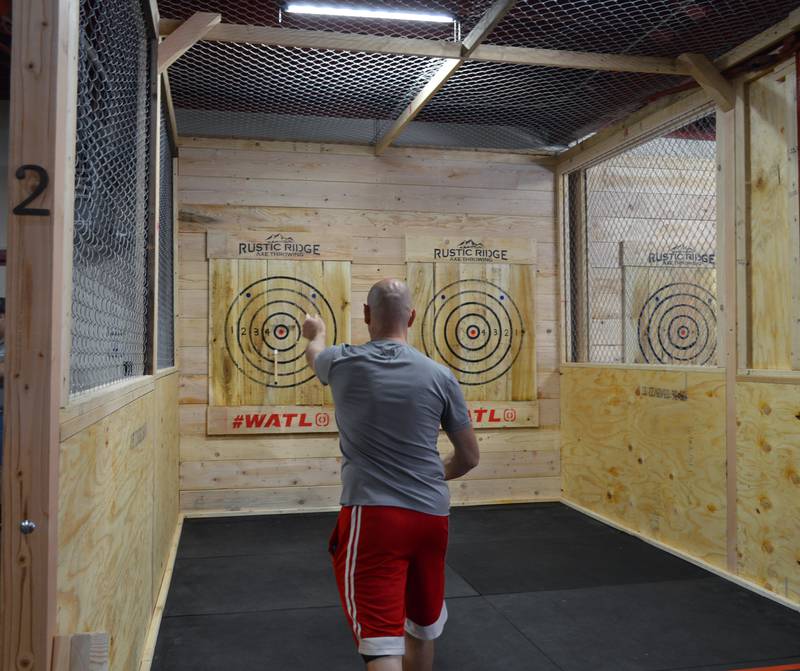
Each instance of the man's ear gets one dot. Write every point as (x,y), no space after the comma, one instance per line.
(412,317)
(366,313)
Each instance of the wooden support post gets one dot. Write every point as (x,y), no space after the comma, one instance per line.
(711,81)
(493,16)
(727,310)
(742,217)
(580,319)
(42,137)
(172,123)
(187,34)
(793,209)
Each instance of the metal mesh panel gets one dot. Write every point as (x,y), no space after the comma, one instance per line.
(255,12)
(648,256)
(109,280)
(500,105)
(303,94)
(284,93)
(640,27)
(166,277)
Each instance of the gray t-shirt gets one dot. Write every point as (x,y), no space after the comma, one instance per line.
(390,401)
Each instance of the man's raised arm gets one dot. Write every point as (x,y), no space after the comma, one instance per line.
(314,331)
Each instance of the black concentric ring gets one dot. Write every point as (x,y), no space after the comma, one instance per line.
(675,307)
(285,301)
(483,355)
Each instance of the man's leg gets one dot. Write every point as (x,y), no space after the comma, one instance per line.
(419,655)
(392,663)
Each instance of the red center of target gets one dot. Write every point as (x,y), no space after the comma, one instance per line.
(683,332)
(281,331)
(473,331)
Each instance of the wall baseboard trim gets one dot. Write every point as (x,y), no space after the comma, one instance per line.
(722,573)
(149,649)
(329,509)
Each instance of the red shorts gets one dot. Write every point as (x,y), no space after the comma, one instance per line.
(389,565)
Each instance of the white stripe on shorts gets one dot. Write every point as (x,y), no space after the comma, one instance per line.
(350,568)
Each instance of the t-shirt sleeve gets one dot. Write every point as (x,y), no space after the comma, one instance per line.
(324,361)
(455,415)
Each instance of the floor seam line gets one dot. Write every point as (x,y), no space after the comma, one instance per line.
(523,634)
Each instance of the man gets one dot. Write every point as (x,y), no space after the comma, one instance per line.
(390,539)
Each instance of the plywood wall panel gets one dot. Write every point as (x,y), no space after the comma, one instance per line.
(118,485)
(768,484)
(166,450)
(771,256)
(344,191)
(646,449)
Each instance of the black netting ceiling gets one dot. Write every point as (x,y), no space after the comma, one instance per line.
(282,93)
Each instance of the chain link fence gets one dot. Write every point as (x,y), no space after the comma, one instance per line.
(112,200)
(641,252)
(166,241)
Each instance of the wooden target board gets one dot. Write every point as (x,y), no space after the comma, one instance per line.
(259,380)
(475,314)
(669,305)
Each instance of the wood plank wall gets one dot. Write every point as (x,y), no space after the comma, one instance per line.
(118,512)
(657,467)
(340,190)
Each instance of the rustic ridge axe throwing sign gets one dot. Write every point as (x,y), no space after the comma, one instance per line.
(261,286)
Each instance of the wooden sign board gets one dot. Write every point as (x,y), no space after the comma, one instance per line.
(475,314)
(276,419)
(257,308)
(266,420)
(669,306)
(651,256)
(287,245)
(470,249)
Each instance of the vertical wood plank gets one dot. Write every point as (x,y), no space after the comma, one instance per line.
(420,283)
(793,210)
(524,379)
(580,323)
(742,224)
(726,300)
(222,373)
(42,125)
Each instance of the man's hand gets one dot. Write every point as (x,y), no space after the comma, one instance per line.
(314,331)
(312,327)
(465,456)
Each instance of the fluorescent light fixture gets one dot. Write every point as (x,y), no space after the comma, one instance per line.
(367,13)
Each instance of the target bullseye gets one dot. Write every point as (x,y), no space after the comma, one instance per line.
(678,323)
(475,328)
(263,330)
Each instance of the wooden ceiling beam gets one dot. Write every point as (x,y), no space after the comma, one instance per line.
(493,16)
(711,80)
(188,33)
(319,39)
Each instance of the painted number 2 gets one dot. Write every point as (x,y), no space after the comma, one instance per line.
(22,209)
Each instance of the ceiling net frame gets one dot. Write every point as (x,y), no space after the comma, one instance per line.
(280,91)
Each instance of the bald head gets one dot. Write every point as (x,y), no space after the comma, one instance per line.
(389,303)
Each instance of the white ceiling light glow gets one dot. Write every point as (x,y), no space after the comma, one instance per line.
(367,13)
